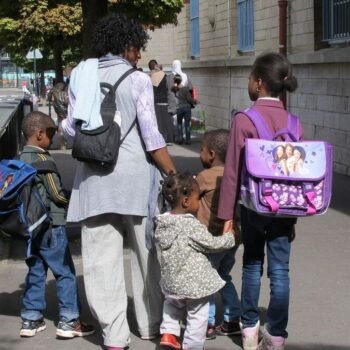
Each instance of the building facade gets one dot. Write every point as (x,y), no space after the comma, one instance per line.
(218,40)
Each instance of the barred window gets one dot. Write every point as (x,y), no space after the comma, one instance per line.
(336,20)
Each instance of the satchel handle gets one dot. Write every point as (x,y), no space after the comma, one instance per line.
(292,130)
(286,132)
(109,87)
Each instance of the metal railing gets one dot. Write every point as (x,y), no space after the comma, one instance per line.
(336,20)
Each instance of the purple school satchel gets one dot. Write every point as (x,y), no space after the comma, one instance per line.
(288,178)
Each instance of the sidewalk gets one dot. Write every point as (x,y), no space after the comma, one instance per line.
(320,280)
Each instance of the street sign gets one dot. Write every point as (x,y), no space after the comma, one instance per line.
(34,54)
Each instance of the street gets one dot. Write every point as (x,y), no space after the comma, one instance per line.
(320,280)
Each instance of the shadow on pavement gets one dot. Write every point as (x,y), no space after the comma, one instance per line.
(11,306)
(314,346)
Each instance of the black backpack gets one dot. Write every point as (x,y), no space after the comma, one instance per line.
(101,146)
(22,211)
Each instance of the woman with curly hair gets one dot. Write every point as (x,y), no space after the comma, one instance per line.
(111,203)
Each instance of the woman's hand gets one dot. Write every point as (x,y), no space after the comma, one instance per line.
(163,160)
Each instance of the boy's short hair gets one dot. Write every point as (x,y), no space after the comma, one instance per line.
(217,141)
(36,121)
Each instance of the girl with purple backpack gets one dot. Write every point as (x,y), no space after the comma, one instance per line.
(271,76)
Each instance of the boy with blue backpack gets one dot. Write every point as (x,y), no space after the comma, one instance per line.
(49,248)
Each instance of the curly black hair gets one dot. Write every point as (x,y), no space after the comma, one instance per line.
(217,140)
(116,32)
(36,121)
(177,185)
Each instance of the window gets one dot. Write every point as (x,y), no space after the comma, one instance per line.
(245,9)
(336,20)
(194,14)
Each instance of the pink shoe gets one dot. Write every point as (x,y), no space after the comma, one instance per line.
(250,337)
(271,342)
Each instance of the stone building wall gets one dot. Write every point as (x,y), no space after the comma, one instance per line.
(322,99)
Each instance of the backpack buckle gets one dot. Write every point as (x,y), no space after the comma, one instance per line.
(308,187)
(267,187)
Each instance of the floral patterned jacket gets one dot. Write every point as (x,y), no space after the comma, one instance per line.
(184,242)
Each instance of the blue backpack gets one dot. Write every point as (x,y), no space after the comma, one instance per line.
(22,211)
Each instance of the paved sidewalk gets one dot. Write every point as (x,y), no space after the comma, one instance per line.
(320,281)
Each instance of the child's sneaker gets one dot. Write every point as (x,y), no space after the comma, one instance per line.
(30,328)
(229,328)
(250,337)
(211,332)
(270,342)
(73,329)
(170,341)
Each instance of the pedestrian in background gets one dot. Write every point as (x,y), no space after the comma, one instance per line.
(177,70)
(271,76)
(171,107)
(183,110)
(58,97)
(160,90)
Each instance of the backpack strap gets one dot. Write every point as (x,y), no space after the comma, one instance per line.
(115,87)
(294,125)
(127,73)
(259,122)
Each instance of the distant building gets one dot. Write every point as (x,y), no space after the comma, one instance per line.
(218,40)
(8,72)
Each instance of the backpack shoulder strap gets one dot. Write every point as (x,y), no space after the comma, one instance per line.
(259,122)
(294,125)
(127,73)
(115,87)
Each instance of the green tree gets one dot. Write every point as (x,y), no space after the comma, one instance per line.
(152,13)
(61,28)
(52,26)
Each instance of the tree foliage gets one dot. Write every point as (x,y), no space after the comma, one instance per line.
(60,28)
(153,13)
(52,26)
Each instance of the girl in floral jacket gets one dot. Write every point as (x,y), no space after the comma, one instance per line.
(187,277)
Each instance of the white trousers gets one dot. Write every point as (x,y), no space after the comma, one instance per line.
(196,319)
(103,264)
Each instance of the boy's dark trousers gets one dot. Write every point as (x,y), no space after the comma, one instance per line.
(50,250)
(276,233)
(184,113)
